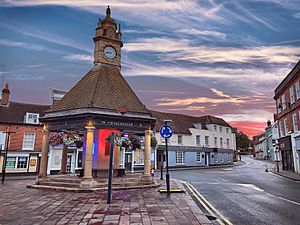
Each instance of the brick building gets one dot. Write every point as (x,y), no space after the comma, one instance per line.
(287,97)
(26,142)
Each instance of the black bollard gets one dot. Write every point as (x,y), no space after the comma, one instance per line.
(161,172)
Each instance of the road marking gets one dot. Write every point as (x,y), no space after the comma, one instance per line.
(201,199)
(252,186)
(290,201)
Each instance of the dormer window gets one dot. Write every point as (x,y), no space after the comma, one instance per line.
(32,118)
(197,125)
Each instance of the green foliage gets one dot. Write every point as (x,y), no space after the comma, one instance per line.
(242,141)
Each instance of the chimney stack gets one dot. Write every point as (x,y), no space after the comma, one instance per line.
(269,123)
(5,95)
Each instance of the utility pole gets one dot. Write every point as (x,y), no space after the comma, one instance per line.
(5,155)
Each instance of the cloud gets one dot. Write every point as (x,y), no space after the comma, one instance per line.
(219,93)
(189,101)
(182,49)
(297,15)
(46,36)
(249,115)
(209,33)
(79,57)
(26,45)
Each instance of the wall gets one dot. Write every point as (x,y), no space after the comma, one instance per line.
(16,139)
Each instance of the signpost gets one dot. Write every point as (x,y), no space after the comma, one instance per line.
(166,132)
(110,172)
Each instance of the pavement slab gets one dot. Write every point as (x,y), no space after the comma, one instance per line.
(21,205)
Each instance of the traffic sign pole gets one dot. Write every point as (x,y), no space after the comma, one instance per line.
(167,165)
(166,132)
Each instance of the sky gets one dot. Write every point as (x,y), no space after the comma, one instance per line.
(206,57)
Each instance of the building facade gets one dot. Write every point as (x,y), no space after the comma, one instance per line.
(287,97)
(197,141)
(25,141)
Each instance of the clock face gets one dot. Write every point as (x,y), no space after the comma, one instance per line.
(109,52)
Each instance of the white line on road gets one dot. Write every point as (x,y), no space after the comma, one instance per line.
(207,203)
(290,201)
(252,186)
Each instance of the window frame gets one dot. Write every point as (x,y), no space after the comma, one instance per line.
(285,126)
(17,160)
(198,143)
(179,157)
(283,103)
(297,87)
(292,95)
(295,122)
(2,138)
(279,104)
(206,141)
(179,139)
(281,128)
(32,114)
(33,145)
(198,157)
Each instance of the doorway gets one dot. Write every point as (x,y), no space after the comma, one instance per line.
(128,161)
(161,159)
(70,163)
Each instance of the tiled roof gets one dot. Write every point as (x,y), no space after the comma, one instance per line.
(102,87)
(15,111)
(182,123)
(213,120)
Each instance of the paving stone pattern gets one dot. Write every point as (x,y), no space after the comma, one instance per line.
(20,206)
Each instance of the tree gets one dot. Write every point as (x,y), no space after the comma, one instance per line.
(242,141)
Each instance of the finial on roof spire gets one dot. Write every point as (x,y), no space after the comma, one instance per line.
(108,11)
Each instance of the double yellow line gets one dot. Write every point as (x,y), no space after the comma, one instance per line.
(222,220)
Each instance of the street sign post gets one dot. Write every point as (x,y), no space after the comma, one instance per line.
(110,171)
(166,132)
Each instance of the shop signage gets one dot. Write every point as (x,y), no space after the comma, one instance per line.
(285,143)
(32,162)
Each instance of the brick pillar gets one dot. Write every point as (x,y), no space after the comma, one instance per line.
(45,150)
(64,159)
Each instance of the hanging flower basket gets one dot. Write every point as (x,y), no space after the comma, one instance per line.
(59,138)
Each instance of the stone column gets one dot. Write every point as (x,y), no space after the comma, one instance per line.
(45,150)
(147,153)
(64,159)
(88,181)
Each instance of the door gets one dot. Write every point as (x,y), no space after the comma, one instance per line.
(161,159)
(206,159)
(70,164)
(128,161)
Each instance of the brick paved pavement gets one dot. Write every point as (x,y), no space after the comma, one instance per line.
(20,205)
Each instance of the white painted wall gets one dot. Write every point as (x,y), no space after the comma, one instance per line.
(190,140)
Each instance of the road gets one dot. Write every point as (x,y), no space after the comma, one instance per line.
(247,194)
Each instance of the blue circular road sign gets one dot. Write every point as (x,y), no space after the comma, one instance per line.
(166,131)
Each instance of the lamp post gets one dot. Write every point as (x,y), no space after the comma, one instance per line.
(5,155)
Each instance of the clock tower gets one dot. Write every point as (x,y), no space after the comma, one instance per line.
(108,42)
